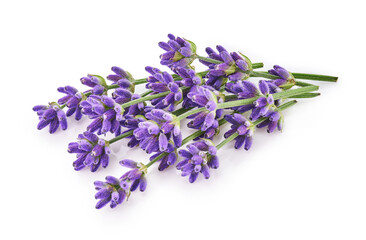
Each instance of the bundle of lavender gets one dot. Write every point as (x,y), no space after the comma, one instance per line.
(151,120)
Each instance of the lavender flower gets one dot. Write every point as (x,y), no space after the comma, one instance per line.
(189,77)
(109,191)
(132,123)
(265,104)
(163,82)
(121,96)
(168,159)
(200,157)
(51,115)
(241,126)
(207,97)
(275,120)
(179,52)
(72,100)
(154,134)
(91,151)
(106,113)
(115,191)
(97,83)
(136,176)
(234,66)
(121,78)
(285,77)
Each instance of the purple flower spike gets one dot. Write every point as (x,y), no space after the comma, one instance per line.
(275,120)
(179,52)
(167,160)
(162,82)
(71,100)
(243,127)
(131,123)
(233,67)
(110,192)
(135,178)
(189,77)
(50,115)
(284,76)
(205,96)
(97,83)
(91,152)
(106,114)
(154,135)
(121,78)
(199,157)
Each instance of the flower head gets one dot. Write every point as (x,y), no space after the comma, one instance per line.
(179,52)
(155,133)
(91,151)
(205,96)
(97,83)
(109,191)
(121,78)
(106,113)
(72,100)
(189,77)
(285,77)
(233,66)
(51,115)
(132,123)
(199,157)
(115,191)
(168,159)
(275,120)
(244,128)
(160,82)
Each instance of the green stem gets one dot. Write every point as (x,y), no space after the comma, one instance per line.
(232,137)
(303,84)
(147,98)
(210,60)
(306,95)
(163,154)
(189,113)
(124,135)
(241,102)
(316,77)
(307,76)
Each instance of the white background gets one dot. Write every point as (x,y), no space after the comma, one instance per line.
(305,183)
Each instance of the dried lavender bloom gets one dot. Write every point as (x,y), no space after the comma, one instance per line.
(91,151)
(51,115)
(163,82)
(200,157)
(72,100)
(285,77)
(154,134)
(106,113)
(205,96)
(234,67)
(97,83)
(179,52)
(243,127)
